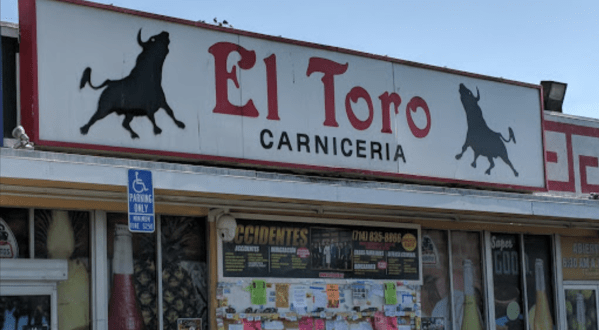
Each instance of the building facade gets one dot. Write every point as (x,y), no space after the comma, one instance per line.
(193,176)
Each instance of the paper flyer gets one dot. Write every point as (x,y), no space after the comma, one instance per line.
(258,292)
(306,323)
(320,298)
(319,324)
(390,293)
(282,295)
(333,295)
(299,298)
(252,325)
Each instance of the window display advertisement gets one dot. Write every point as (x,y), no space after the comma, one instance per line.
(539,288)
(507,282)
(133,259)
(57,234)
(297,250)
(581,309)
(467,280)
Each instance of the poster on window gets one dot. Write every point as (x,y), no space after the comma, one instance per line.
(539,281)
(435,289)
(297,250)
(581,309)
(507,282)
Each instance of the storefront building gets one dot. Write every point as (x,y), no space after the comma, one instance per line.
(181,175)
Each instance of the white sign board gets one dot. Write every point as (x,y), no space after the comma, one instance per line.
(124,81)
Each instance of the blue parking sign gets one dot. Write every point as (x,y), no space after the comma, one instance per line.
(140,196)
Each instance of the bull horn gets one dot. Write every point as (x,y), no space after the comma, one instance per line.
(477,94)
(141,43)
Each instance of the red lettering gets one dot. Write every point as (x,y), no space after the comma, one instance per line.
(271,85)
(330,69)
(353,95)
(386,100)
(221,51)
(415,103)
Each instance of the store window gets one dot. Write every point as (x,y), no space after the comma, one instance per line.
(539,281)
(184,271)
(21,312)
(467,279)
(581,307)
(141,279)
(509,289)
(132,276)
(14,233)
(56,234)
(465,269)
(435,270)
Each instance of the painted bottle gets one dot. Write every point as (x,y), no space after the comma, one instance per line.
(123,309)
(581,320)
(73,294)
(471,318)
(543,319)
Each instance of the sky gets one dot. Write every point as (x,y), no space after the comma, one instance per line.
(527,41)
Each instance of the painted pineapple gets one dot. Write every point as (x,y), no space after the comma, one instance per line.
(182,296)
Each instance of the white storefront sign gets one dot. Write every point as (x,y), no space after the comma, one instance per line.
(124,81)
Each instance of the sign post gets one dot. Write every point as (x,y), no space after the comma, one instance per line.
(140,196)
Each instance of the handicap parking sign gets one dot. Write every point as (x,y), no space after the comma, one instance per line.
(140,196)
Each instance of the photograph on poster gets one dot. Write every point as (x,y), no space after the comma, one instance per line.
(332,249)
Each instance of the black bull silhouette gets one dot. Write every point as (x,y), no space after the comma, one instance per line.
(483,141)
(138,94)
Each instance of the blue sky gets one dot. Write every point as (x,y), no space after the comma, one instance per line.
(526,41)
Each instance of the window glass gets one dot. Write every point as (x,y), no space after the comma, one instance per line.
(507,281)
(581,309)
(25,312)
(14,233)
(435,289)
(467,279)
(539,281)
(133,288)
(184,271)
(65,235)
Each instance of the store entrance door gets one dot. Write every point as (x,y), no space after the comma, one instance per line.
(581,306)
(28,307)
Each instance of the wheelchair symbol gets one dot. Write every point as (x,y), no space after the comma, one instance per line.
(138,185)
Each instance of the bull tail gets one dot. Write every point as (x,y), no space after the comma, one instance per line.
(511,138)
(86,79)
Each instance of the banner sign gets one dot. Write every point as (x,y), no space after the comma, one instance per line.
(297,250)
(580,258)
(155,85)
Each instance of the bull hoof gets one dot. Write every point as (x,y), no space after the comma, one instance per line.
(516,173)
(84,130)
(458,156)
(488,172)
(180,124)
(473,165)
(134,135)
(157,130)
